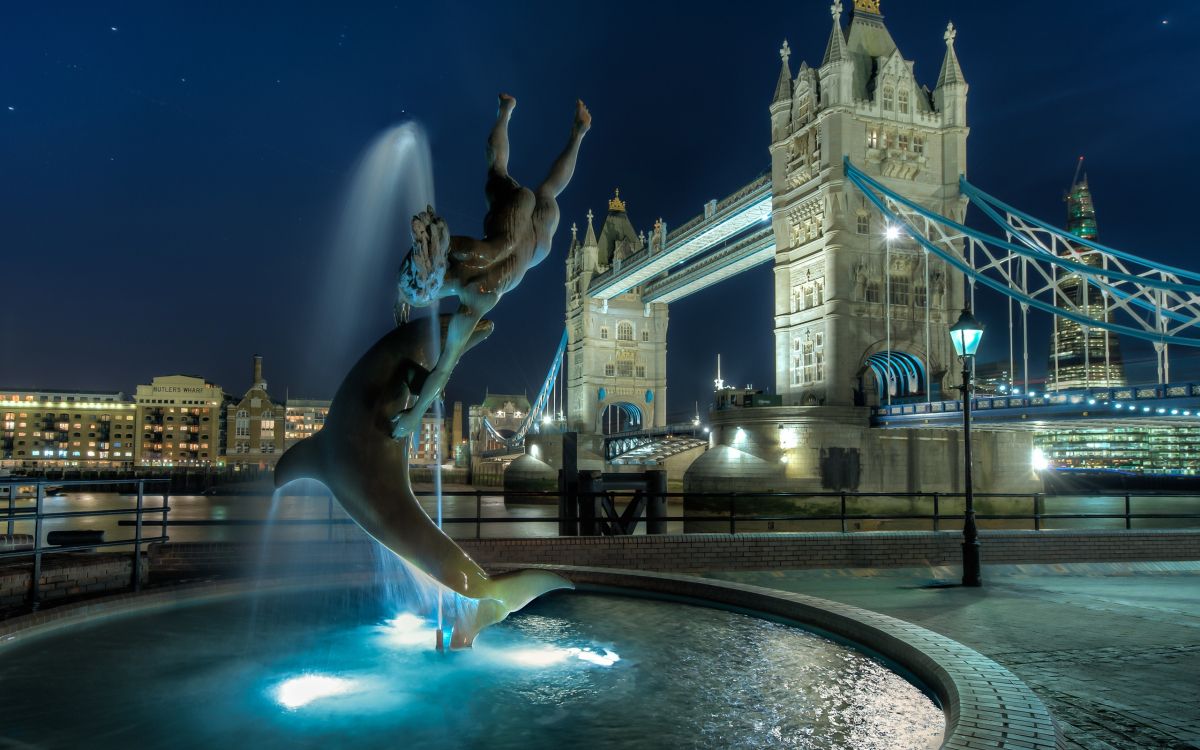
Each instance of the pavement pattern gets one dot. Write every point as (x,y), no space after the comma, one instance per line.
(1113,649)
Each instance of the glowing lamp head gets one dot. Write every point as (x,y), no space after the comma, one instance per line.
(966,334)
(1039,460)
(892,232)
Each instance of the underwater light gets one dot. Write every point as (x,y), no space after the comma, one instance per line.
(300,691)
(406,629)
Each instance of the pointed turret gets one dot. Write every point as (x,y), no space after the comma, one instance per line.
(835,50)
(590,252)
(589,239)
(783,89)
(950,96)
(951,71)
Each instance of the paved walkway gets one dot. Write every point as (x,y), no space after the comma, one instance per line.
(1112,649)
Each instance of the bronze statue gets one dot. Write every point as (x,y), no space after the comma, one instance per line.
(517,231)
(362,452)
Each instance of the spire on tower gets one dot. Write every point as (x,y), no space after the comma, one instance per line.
(835,51)
(589,240)
(951,72)
(783,89)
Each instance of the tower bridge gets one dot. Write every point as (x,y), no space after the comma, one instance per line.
(864,215)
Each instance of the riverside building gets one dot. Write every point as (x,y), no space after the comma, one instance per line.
(179,422)
(44,428)
(255,425)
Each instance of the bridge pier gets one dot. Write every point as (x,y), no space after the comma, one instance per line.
(832,449)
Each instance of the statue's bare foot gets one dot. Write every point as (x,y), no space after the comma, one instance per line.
(583,118)
(507,103)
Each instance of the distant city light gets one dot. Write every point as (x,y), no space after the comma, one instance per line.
(1091,402)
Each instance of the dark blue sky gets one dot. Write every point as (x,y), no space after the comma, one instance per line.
(169,172)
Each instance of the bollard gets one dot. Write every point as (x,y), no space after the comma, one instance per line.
(656,510)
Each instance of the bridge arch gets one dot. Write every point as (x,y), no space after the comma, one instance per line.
(620,416)
(896,372)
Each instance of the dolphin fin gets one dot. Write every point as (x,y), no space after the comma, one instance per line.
(507,593)
(302,461)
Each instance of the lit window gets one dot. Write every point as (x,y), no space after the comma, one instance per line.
(872,138)
(889,96)
(624,331)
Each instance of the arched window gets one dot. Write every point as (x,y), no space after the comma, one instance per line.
(903,100)
(889,97)
(645,334)
(603,332)
(610,369)
(624,331)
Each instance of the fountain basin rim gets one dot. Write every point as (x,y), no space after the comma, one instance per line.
(985,705)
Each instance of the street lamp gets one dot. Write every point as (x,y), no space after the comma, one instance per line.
(966,335)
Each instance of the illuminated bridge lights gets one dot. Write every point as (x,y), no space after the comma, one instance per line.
(742,215)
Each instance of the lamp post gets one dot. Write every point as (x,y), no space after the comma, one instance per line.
(966,335)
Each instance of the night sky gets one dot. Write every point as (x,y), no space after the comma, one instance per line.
(170,174)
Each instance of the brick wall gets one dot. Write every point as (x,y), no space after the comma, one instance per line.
(706,552)
(66,576)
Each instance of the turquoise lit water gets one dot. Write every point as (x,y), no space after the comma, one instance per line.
(330,669)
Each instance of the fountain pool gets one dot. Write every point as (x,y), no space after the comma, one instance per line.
(330,668)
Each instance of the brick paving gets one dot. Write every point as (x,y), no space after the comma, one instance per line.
(1112,649)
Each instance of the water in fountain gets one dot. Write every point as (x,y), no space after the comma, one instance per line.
(392,182)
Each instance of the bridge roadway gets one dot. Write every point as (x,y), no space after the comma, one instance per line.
(1174,404)
(744,211)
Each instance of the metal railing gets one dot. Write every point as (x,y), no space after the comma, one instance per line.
(729,509)
(38,515)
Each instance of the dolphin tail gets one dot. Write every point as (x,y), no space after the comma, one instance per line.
(302,461)
(507,592)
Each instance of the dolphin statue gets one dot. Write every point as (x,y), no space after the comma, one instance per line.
(366,469)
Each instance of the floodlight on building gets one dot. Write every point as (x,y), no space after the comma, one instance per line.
(892,232)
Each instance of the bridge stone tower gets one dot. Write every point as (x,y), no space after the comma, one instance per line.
(616,356)
(836,273)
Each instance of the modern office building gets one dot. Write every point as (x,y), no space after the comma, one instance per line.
(179,422)
(305,418)
(46,428)
(1083,356)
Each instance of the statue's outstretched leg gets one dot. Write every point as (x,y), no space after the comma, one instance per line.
(498,139)
(462,333)
(564,165)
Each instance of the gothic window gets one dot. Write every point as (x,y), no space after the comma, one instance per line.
(812,359)
(873,138)
(242,424)
(873,291)
(864,224)
(645,334)
(624,331)
(641,371)
(625,368)
(796,364)
(919,296)
(903,100)
(610,369)
(918,144)
(902,141)
(885,139)
(889,96)
(900,289)
(603,332)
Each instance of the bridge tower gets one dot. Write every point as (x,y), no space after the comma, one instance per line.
(850,304)
(616,348)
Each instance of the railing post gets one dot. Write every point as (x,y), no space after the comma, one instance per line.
(1128,520)
(12,493)
(843,513)
(732,513)
(936,512)
(478,514)
(166,504)
(1037,511)
(137,541)
(35,586)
